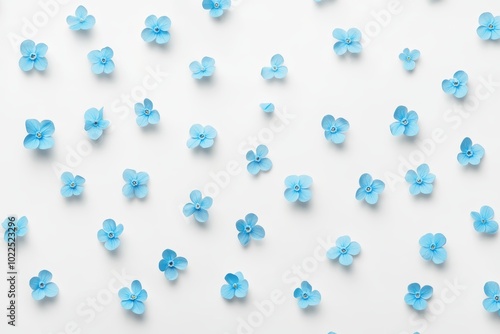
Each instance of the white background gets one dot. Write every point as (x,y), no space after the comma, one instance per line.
(367,297)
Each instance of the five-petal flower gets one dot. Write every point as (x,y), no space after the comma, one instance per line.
(73,185)
(171,263)
(33,56)
(146,114)
(156,29)
(136,184)
(81,20)
(492,291)
(306,296)
(409,58)
(15,228)
(297,188)
(369,189)
(483,220)
(344,250)
(198,206)
(406,122)
(277,69)
(42,286)
(202,136)
(237,286)
(417,296)
(94,123)
(204,69)
(216,7)
(133,299)
(489,26)
(470,154)
(431,247)
(258,160)
(248,228)
(457,86)
(39,134)
(101,60)
(109,234)
(421,180)
(347,41)
(334,128)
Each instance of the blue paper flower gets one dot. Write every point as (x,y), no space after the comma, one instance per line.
(146,114)
(237,286)
(73,185)
(344,250)
(470,154)
(136,184)
(489,26)
(297,188)
(267,107)
(277,69)
(483,220)
(457,85)
(421,180)
(101,61)
(133,300)
(306,296)
(202,136)
(171,263)
(42,286)
(39,134)
(258,160)
(94,123)
(109,234)
(198,206)
(432,248)
(205,69)
(369,189)
(334,128)
(406,122)
(81,20)
(347,41)
(409,58)
(19,228)
(156,29)
(248,228)
(216,7)
(492,291)
(33,56)
(417,297)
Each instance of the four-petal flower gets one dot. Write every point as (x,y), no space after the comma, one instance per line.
(248,228)
(81,20)
(146,114)
(94,123)
(42,286)
(297,188)
(109,234)
(277,69)
(409,58)
(406,122)
(457,86)
(431,247)
(33,56)
(306,296)
(136,184)
(237,286)
(347,41)
(216,7)
(492,291)
(133,299)
(156,29)
(369,189)
(489,26)
(344,250)
(417,296)
(421,180)
(14,228)
(73,185)
(258,160)
(198,206)
(171,263)
(202,136)
(204,69)
(39,134)
(101,60)
(483,220)
(470,154)
(334,128)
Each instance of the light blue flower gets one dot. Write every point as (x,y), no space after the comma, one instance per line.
(19,228)
(202,136)
(489,26)
(421,180)
(216,7)
(306,296)
(42,286)
(334,128)
(39,134)
(258,160)
(81,21)
(73,185)
(483,220)
(33,56)
(146,114)
(171,263)
(205,69)
(457,85)
(133,300)
(347,41)
(198,206)
(136,184)
(156,29)
(431,248)
(409,58)
(369,189)
(492,291)
(417,296)
(237,286)
(101,61)
(94,123)
(297,188)
(248,228)
(277,69)
(109,234)
(267,107)
(344,250)
(470,154)
(406,122)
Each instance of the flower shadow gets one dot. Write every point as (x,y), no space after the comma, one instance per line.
(47,301)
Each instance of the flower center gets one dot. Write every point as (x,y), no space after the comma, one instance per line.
(111,235)
(197,206)
(455,82)
(343,250)
(404,121)
(133,297)
(147,112)
(235,285)
(275,68)
(170,263)
(82,19)
(216,5)
(156,29)
(95,123)
(497,298)
(305,295)
(134,183)
(248,229)
(202,136)
(33,56)
(41,285)
(297,187)
(38,135)
(408,58)
(419,181)
(348,40)
(468,153)
(433,247)
(417,295)
(257,158)
(483,220)
(490,26)
(103,60)
(333,129)
(368,189)
(15,229)
(72,185)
